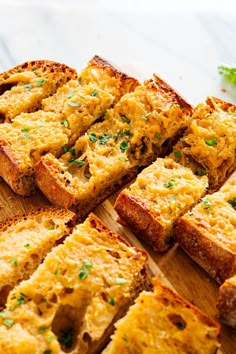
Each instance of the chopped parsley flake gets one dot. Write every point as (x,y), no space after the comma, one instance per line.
(51,228)
(73,103)
(50,339)
(157,135)
(145,116)
(169,184)
(39,311)
(211,142)
(106,114)
(94,93)
(207,205)
(25,129)
(112,301)
(202,172)
(83,273)
(8,323)
(125,339)
(124,146)
(72,151)
(70,94)
(65,123)
(125,119)
(177,154)
(173,197)
(13,261)
(43,329)
(232,202)
(87,264)
(79,163)
(27,245)
(57,272)
(28,87)
(103,139)
(120,281)
(47,351)
(87,175)
(64,148)
(40,82)
(92,137)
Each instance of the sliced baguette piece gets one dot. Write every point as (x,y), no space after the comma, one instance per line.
(162,193)
(227,302)
(65,116)
(23,87)
(208,234)
(163,322)
(208,146)
(83,286)
(143,125)
(25,240)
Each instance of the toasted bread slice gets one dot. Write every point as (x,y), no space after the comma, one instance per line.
(25,240)
(208,234)
(163,322)
(227,302)
(23,87)
(162,193)
(208,146)
(65,116)
(142,125)
(76,294)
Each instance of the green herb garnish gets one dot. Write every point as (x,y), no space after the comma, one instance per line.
(124,146)
(120,281)
(27,245)
(43,329)
(145,116)
(25,136)
(64,148)
(8,323)
(65,123)
(232,202)
(207,205)
(170,183)
(79,163)
(157,135)
(87,264)
(40,82)
(28,87)
(94,93)
(112,301)
(70,94)
(72,151)
(211,142)
(228,73)
(103,139)
(125,119)
(92,137)
(57,272)
(13,261)
(48,351)
(50,339)
(177,154)
(83,273)
(73,104)
(25,129)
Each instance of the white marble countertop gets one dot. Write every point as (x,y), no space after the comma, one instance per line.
(182,42)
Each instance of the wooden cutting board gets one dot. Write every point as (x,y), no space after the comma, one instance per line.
(174,268)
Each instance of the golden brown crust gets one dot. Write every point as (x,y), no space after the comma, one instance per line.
(11,171)
(216,259)
(44,67)
(49,211)
(226,304)
(175,96)
(134,213)
(180,300)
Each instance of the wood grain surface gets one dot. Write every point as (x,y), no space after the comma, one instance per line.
(174,268)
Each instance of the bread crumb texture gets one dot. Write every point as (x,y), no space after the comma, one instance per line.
(162,322)
(73,297)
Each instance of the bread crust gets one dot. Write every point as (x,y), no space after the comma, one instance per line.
(217,260)
(134,213)
(226,303)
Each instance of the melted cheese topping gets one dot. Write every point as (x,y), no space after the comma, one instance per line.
(168,190)
(161,322)
(129,137)
(25,243)
(217,213)
(80,288)
(211,142)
